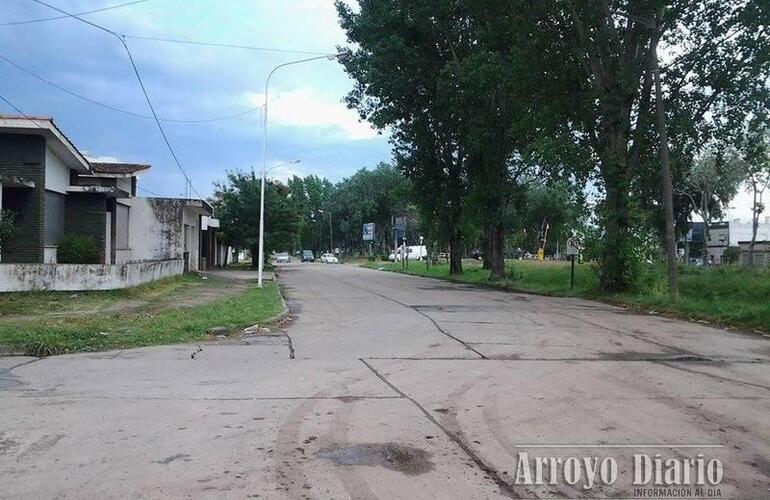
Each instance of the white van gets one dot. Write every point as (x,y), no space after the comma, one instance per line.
(417,252)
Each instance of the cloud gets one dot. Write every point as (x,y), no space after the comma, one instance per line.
(284,172)
(307,108)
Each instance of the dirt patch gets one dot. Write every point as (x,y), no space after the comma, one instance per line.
(402,458)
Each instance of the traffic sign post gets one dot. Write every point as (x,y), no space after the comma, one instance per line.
(573,249)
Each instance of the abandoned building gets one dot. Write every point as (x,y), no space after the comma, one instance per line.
(53,193)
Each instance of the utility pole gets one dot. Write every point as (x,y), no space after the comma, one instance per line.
(668,190)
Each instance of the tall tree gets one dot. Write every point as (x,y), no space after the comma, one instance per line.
(757,165)
(710,185)
(236,201)
(406,67)
(599,54)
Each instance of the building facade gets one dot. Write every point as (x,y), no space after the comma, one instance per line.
(53,192)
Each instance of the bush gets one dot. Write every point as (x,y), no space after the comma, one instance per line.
(371,258)
(731,255)
(77,249)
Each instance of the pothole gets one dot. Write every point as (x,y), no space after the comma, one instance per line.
(403,458)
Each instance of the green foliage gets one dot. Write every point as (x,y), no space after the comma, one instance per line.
(6,227)
(732,255)
(78,249)
(237,202)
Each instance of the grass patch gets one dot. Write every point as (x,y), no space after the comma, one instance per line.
(46,335)
(28,303)
(727,295)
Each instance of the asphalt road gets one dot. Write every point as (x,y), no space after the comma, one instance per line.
(400,387)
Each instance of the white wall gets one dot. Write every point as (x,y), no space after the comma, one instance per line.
(153,235)
(741,231)
(57,174)
(76,277)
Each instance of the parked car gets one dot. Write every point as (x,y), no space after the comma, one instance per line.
(329,258)
(281,258)
(307,256)
(417,252)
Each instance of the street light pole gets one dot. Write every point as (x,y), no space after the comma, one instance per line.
(330,57)
(321,211)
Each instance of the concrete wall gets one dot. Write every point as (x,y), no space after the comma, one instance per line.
(77,277)
(154,230)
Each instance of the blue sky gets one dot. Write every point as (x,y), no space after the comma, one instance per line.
(307,120)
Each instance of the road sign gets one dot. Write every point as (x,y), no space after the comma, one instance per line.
(573,246)
(368,232)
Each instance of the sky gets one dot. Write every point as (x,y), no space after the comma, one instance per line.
(306,121)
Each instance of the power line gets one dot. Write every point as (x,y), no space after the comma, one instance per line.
(119,110)
(149,192)
(19,111)
(46,19)
(141,84)
(222,45)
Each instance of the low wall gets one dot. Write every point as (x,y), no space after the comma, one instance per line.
(79,277)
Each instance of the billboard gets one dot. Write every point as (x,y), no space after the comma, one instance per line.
(368,232)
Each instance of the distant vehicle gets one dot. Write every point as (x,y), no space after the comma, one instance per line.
(282,258)
(307,256)
(417,252)
(329,258)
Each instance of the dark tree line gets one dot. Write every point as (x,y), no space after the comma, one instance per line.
(482,97)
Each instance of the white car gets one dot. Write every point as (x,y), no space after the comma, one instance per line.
(329,258)
(281,258)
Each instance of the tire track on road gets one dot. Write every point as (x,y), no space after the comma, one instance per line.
(505,487)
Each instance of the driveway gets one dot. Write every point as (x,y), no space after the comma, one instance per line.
(400,387)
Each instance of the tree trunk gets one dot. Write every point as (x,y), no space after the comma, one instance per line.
(254,256)
(455,254)
(486,248)
(495,246)
(616,271)
(754,223)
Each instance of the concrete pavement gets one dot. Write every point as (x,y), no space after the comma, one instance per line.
(401,387)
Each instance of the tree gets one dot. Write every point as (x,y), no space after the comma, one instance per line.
(757,159)
(237,203)
(309,195)
(405,68)
(596,57)
(710,185)
(375,196)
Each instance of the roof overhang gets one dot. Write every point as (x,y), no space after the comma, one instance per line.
(198,207)
(59,143)
(108,191)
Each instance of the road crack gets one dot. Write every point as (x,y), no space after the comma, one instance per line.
(505,487)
